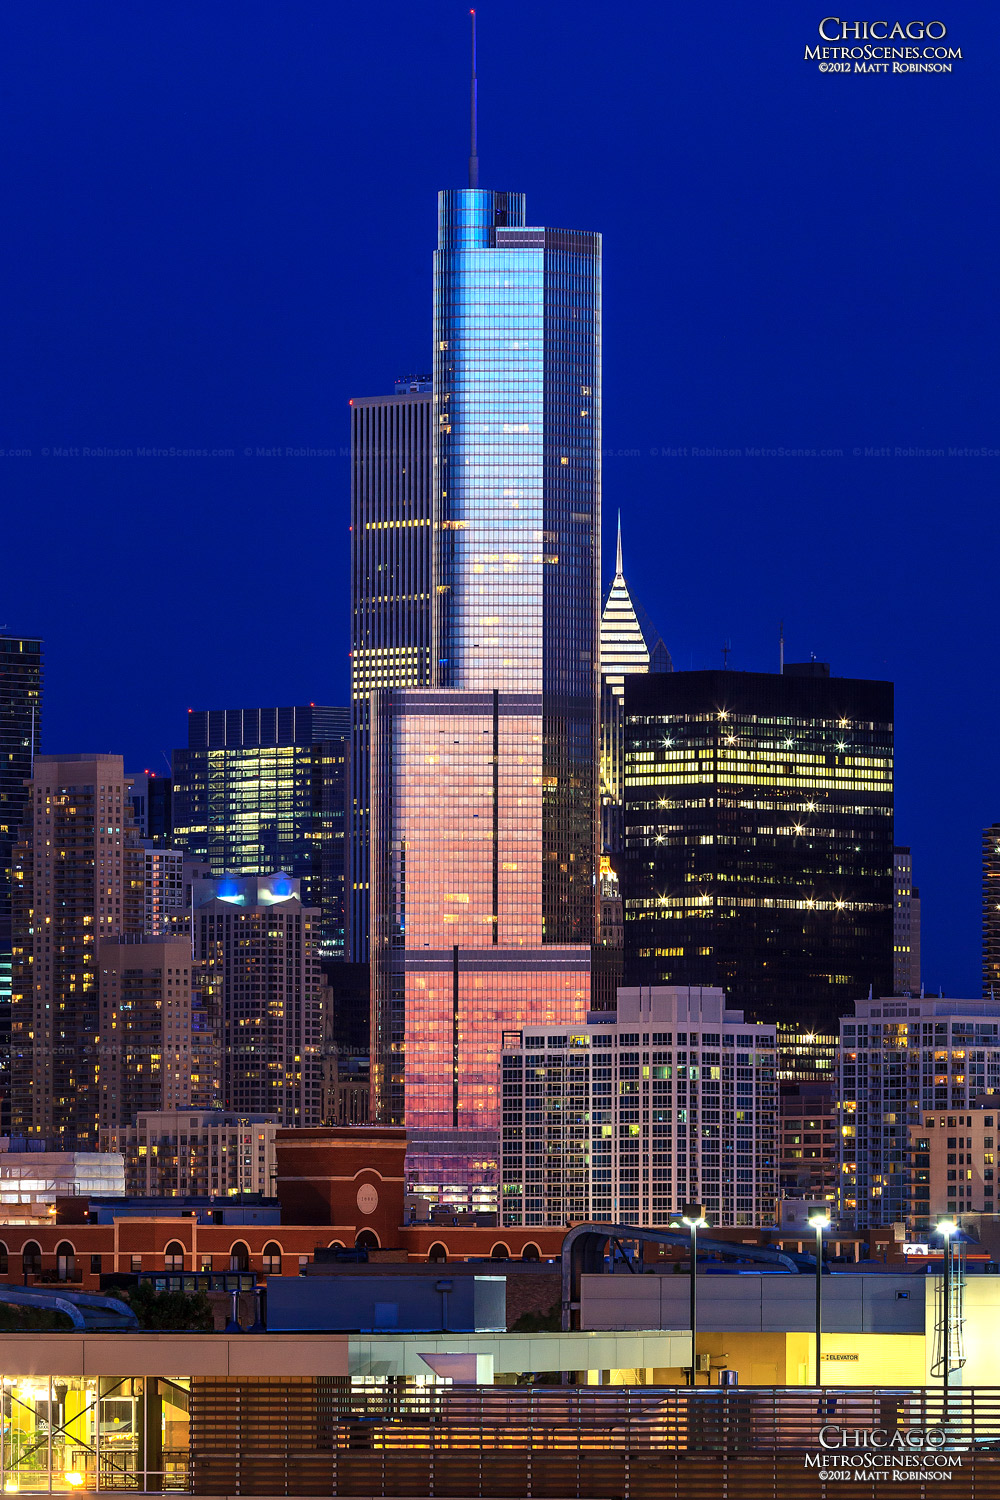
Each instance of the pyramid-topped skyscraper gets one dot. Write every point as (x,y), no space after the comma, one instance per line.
(630,643)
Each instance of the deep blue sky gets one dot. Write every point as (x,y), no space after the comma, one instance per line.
(218,224)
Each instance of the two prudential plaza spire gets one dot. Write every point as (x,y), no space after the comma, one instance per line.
(483,782)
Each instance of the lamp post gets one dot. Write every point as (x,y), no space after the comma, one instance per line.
(946,1228)
(693,1217)
(820,1220)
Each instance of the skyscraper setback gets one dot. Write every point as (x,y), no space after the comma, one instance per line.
(484,827)
(391,589)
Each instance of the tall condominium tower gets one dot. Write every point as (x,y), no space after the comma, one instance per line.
(991,909)
(391,590)
(900,1057)
(759,837)
(485,810)
(906,925)
(672,1078)
(259,936)
(77,883)
(147,1014)
(630,643)
(261,789)
(20,736)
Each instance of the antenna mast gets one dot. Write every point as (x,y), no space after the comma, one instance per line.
(781,647)
(474,114)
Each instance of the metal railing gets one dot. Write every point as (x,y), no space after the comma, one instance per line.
(639,1443)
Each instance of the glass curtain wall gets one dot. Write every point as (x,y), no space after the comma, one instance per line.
(99,1433)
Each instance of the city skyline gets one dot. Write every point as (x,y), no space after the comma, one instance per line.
(707,346)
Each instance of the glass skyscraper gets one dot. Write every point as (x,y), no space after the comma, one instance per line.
(264,789)
(391,590)
(485,810)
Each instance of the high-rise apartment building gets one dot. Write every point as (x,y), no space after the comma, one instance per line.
(759,837)
(262,789)
(630,643)
(905,925)
(809,1121)
(672,1099)
(20,737)
(77,884)
(147,1047)
(391,589)
(952,1164)
(900,1059)
(991,909)
(484,815)
(256,933)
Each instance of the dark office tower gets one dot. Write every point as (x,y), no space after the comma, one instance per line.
(759,837)
(77,883)
(390,590)
(991,911)
(262,789)
(151,807)
(20,731)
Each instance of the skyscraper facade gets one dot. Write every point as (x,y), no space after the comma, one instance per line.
(899,1058)
(20,737)
(485,831)
(991,909)
(906,925)
(262,789)
(759,837)
(77,883)
(146,1050)
(260,938)
(391,589)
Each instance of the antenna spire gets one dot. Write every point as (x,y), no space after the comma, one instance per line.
(618,558)
(474,114)
(781,648)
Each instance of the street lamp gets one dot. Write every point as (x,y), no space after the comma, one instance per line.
(694,1218)
(946,1228)
(820,1220)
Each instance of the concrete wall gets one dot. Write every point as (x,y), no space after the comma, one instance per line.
(312,1304)
(853,1303)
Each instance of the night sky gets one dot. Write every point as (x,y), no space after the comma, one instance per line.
(218,226)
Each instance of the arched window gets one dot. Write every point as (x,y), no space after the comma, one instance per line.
(272,1258)
(173,1256)
(437,1252)
(31,1258)
(366,1240)
(239,1257)
(500,1252)
(65,1261)
(530,1252)
(4,1259)
(335,1245)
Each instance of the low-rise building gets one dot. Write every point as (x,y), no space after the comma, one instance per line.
(174,1152)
